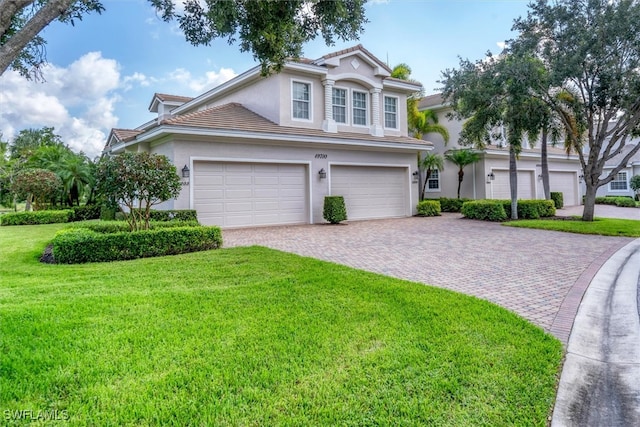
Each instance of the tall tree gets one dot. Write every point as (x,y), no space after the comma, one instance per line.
(491,96)
(271,30)
(429,163)
(590,50)
(462,158)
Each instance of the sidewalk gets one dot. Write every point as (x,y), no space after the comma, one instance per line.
(600,382)
(602,211)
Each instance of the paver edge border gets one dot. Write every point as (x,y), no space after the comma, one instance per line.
(564,318)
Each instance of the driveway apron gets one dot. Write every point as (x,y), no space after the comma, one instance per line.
(541,275)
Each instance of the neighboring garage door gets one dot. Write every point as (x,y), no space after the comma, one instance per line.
(248,194)
(501,188)
(371,191)
(565,182)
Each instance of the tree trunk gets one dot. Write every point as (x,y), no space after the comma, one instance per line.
(460,178)
(424,186)
(545,165)
(513,182)
(589,202)
(12,47)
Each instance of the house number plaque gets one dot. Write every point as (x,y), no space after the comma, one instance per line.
(321,156)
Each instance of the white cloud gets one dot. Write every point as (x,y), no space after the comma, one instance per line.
(78,101)
(198,85)
(501,45)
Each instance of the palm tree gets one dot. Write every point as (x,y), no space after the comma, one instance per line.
(461,158)
(76,174)
(428,163)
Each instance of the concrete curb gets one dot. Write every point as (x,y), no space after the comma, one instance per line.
(600,381)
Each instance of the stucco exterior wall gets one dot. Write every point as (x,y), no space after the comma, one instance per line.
(317,156)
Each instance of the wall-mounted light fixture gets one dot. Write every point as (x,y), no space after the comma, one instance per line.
(581,178)
(185,171)
(415,173)
(540,177)
(490,177)
(322,173)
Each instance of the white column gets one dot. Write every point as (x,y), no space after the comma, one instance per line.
(328,124)
(376,128)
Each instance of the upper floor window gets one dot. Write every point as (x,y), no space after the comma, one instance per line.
(360,108)
(619,183)
(390,112)
(339,101)
(301,99)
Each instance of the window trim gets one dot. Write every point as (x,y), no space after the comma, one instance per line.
(396,113)
(433,190)
(346,105)
(310,84)
(366,108)
(626,183)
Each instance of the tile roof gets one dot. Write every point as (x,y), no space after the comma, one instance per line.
(236,117)
(430,101)
(353,49)
(125,135)
(172,98)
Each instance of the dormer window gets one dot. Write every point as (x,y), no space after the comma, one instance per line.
(301,100)
(360,112)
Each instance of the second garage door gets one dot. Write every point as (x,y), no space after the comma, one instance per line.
(501,188)
(566,183)
(372,191)
(232,194)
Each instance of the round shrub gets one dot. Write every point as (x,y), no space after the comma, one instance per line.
(429,208)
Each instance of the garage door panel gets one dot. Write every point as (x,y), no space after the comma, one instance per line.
(565,183)
(371,191)
(246,194)
(501,187)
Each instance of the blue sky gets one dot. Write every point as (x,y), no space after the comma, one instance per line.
(104,70)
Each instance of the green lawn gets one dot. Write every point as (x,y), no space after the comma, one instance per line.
(602,226)
(253,336)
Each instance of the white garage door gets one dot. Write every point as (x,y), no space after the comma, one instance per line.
(250,194)
(501,188)
(566,183)
(371,191)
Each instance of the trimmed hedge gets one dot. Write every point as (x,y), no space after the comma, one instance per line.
(452,205)
(334,210)
(428,208)
(486,210)
(531,209)
(620,201)
(527,209)
(173,214)
(81,245)
(86,212)
(105,227)
(558,199)
(36,217)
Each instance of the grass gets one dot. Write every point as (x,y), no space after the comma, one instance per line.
(253,336)
(601,226)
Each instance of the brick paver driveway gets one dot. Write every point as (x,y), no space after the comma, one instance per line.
(528,271)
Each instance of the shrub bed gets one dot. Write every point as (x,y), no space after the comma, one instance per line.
(527,209)
(486,210)
(81,245)
(86,212)
(428,208)
(621,201)
(105,227)
(531,209)
(558,199)
(452,205)
(625,202)
(173,214)
(36,217)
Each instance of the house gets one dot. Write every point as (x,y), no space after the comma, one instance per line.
(620,186)
(266,150)
(489,178)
